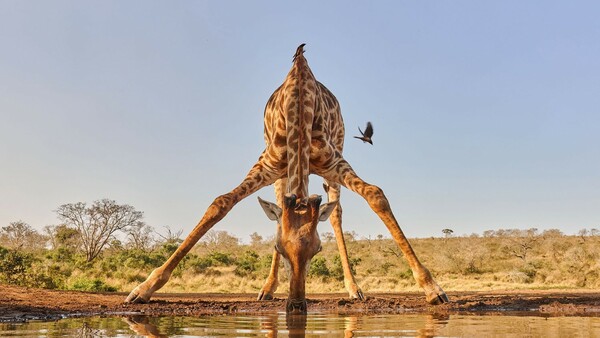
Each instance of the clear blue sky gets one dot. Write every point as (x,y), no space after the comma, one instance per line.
(486,114)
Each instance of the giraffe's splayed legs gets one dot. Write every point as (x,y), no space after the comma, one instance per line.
(343,173)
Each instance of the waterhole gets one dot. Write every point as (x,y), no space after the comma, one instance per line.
(311,325)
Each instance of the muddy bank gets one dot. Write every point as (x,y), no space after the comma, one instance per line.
(24,304)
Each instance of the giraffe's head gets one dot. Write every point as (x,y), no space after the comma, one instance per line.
(297,239)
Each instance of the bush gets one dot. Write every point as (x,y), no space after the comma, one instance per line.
(169,248)
(318,268)
(265,262)
(247,264)
(337,271)
(61,254)
(516,277)
(199,264)
(14,266)
(17,268)
(93,285)
(220,258)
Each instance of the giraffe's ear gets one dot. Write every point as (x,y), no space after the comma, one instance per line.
(326,209)
(271,209)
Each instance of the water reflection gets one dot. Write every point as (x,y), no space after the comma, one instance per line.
(311,325)
(295,325)
(142,326)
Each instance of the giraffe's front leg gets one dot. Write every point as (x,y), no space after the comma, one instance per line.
(258,177)
(333,194)
(272,282)
(343,173)
(160,276)
(268,290)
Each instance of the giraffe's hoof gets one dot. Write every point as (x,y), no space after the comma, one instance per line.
(264,296)
(439,299)
(358,295)
(135,298)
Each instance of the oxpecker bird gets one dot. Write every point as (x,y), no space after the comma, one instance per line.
(366,136)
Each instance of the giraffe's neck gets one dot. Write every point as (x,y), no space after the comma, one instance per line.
(299,105)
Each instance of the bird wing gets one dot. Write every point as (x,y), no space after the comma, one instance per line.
(363,134)
(369,130)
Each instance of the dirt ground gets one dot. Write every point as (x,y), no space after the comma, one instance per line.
(19,304)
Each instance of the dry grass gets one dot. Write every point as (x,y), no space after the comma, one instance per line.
(501,260)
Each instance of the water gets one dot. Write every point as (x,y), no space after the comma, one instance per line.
(312,325)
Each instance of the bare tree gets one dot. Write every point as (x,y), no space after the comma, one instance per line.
(583,233)
(171,237)
(169,241)
(139,236)
(218,240)
(19,234)
(328,236)
(255,239)
(489,233)
(98,222)
(523,242)
(391,251)
(350,236)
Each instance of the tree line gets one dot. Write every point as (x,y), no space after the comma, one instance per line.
(106,246)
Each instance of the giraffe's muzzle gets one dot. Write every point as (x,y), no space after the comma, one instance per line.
(296,306)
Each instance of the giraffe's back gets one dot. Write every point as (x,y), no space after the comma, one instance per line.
(303,126)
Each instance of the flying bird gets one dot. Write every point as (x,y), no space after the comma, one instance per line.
(366,136)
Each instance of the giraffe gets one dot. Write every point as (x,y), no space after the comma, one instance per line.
(304,135)
(328,129)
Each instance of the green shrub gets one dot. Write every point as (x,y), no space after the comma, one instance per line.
(169,248)
(318,267)
(221,258)
(247,264)
(94,285)
(337,271)
(18,268)
(14,266)
(199,264)
(61,254)
(265,262)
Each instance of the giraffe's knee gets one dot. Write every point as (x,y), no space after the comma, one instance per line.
(223,201)
(221,206)
(376,198)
